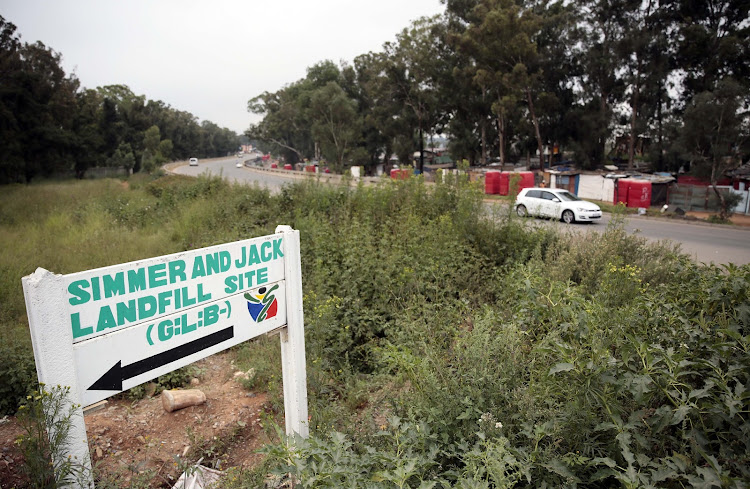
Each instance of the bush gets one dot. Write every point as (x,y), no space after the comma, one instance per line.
(18,374)
(503,356)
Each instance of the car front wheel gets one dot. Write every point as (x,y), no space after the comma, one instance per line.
(568,217)
(521,211)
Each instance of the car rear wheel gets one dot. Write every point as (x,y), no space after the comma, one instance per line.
(568,217)
(521,210)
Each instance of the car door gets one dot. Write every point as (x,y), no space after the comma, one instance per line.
(550,206)
(534,202)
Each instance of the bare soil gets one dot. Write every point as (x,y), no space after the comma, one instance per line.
(129,439)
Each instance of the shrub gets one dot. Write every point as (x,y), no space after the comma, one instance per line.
(46,418)
(18,374)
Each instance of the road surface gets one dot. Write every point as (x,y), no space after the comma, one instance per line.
(226,167)
(705,243)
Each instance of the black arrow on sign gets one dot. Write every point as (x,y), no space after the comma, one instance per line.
(112,380)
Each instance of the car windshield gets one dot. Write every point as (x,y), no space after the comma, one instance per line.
(567,196)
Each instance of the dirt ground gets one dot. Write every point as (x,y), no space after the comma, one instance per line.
(129,439)
(736,219)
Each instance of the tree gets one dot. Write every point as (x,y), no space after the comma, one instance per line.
(11,158)
(500,40)
(89,143)
(411,73)
(284,122)
(598,35)
(716,125)
(334,122)
(123,157)
(713,42)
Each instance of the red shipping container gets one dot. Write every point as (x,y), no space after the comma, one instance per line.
(492,183)
(527,180)
(639,193)
(288,166)
(504,183)
(400,174)
(621,191)
(274,165)
(310,168)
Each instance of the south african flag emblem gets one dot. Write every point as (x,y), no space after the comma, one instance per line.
(262,303)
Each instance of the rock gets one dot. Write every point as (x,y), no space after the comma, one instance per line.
(99,453)
(244,376)
(195,381)
(140,438)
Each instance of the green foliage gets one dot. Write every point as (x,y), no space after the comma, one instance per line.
(46,419)
(18,372)
(50,126)
(172,380)
(502,356)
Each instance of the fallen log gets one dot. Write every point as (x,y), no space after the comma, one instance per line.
(172,400)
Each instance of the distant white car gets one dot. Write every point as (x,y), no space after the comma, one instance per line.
(239,164)
(193,161)
(555,203)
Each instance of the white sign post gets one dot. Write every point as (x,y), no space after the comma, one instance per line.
(106,330)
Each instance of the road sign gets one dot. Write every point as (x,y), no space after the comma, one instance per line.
(106,330)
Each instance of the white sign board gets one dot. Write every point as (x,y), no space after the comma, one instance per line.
(106,330)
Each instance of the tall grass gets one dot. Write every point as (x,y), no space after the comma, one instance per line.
(447,347)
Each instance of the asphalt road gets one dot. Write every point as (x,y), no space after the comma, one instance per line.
(226,167)
(706,243)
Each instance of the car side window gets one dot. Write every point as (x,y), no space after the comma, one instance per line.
(536,194)
(548,196)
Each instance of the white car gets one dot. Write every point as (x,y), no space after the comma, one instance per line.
(555,203)
(239,164)
(193,161)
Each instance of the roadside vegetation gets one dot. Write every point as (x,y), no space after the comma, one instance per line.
(445,348)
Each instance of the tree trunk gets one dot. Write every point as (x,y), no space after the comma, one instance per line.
(483,132)
(723,212)
(501,137)
(535,121)
(659,125)
(634,117)
(420,167)
(602,134)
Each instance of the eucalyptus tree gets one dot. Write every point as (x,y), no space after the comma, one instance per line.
(335,124)
(287,122)
(411,75)
(11,158)
(500,40)
(713,42)
(89,142)
(367,82)
(284,122)
(716,127)
(38,105)
(598,35)
(556,96)
(469,119)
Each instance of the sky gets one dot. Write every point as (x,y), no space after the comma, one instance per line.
(208,57)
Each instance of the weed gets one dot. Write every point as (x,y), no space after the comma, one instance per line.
(46,418)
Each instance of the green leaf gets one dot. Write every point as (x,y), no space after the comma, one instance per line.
(680,414)
(558,466)
(561,367)
(604,460)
